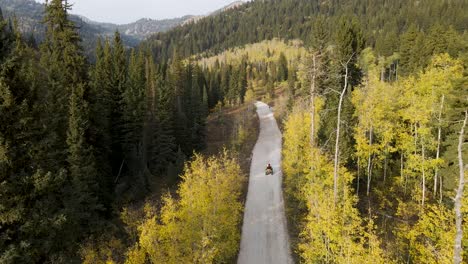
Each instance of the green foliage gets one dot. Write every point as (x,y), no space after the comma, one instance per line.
(282,68)
(6,37)
(256,21)
(250,72)
(50,189)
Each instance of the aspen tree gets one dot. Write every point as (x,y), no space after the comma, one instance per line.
(457,256)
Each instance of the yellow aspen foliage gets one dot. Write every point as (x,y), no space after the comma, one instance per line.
(250,95)
(259,52)
(330,233)
(419,102)
(431,238)
(296,151)
(335,233)
(202,224)
(136,255)
(375,110)
(404,117)
(401,117)
(105,250)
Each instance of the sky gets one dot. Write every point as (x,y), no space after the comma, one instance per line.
(127,11)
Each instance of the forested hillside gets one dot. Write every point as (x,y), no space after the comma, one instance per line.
(29,15)
(382,23)
(98,160)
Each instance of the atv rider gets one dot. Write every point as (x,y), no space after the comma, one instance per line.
(269,168)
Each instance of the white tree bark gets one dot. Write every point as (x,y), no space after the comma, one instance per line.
(439,136)
(358,175)
(385,164)
(423,169)
(457,256)
(312,100)
(402,172)
(369,162)
(338,126)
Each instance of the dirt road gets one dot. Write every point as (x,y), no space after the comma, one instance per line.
(264,231)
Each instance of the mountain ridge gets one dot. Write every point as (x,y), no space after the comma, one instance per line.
(140,28)
(29,14)
(195,19)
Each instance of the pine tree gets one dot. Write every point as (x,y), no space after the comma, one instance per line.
(16,102)
(134,102)
(242,79)
(6,37)
(151,125)
(178,82)
(58,53)
(134,110)
(408,59)
(226,74)
(320,35)
(350,42)
(197,109)
(55,184)
(282,74)
(119,80)
(233,93)
(100,118)
(83,192)
(164,142)
(63,44)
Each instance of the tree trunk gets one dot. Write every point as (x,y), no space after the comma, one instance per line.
(369,162)
(457,257)
(337,141)
(396,72)
(415,138)
(120,171)
(358,175)
(423,152)
(312,101)
(402,168)
(441,194)
(439,136)
(385,164)
(382,74)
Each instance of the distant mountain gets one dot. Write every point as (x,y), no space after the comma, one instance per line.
(140,29)
(233,5)
(195,19)
(29,14)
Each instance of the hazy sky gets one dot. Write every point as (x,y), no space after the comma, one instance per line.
(126,11)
